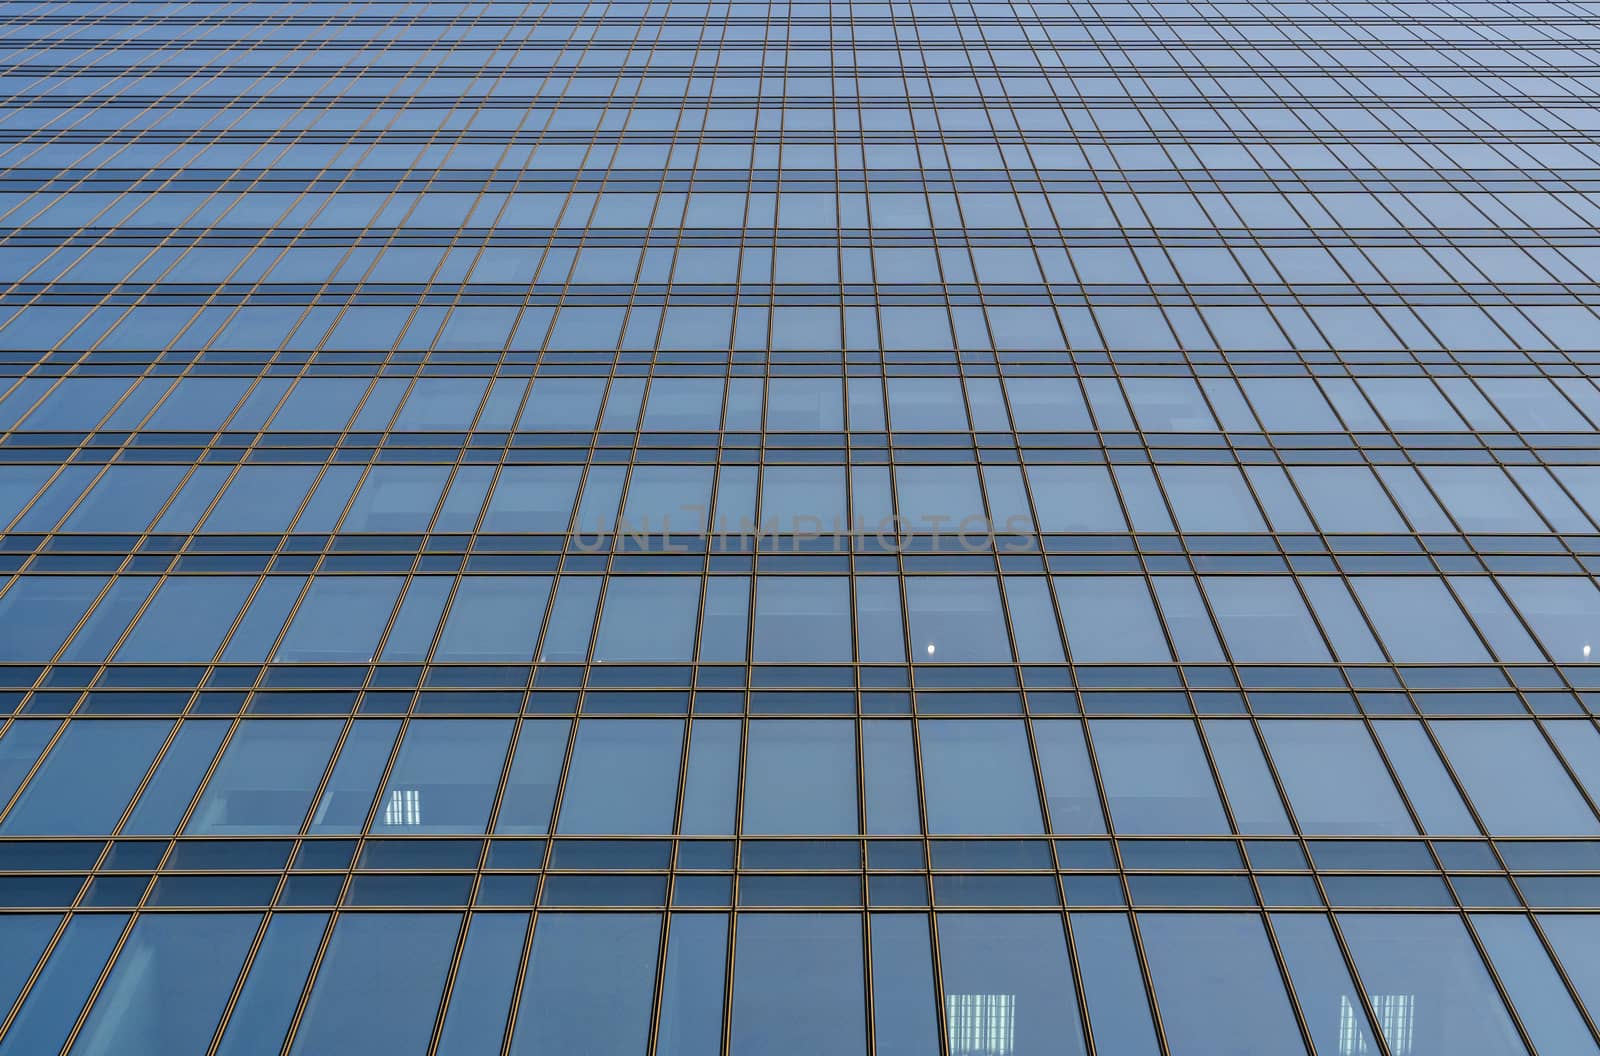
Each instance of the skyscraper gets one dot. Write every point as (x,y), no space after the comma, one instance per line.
(780,529)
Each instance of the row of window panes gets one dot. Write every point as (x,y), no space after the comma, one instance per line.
(948,777)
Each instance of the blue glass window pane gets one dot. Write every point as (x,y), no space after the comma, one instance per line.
(347,800)
(1335,779)
(1576,941)
(1075,499)
(271,991)
(58,995)
(535,772)
(94,641)
(803,499)
(1156,777)
(265,780)
(648,619)
(691,986)
(956,619)
(1418,620)
(945,500)
(186,621)
(1218,1006)
(978,777)
(1113,986)
(416,622)
(1334,1011)
(590,984)
(1428,985)
(168,987)
(20,747)
(171,788)
(84,784)
(800,778)
(340,620)
(801,619)
(1069,785)
(532,499)
(711,784)
(1007,985)
(805,405)
(125,499)
(1541,801)
(1264,619)
(904,1000)
(1110,619)
(481,995)
(261,499)
(1547,1011)
(445,777)
(623,778)
(798,985)
(493,619)
(1210,499)
(23,937)
(39,612)
(1563,611)
(379,984)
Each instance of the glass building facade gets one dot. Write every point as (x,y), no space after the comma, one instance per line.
(873,528)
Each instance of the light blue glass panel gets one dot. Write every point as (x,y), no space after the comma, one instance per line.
(623,778)
(379,984)
(1418,620)
(487,977)
(271,992)
(1156,777)
(340,620)
(1264,620)
(176,780)
(1113,986)
(1542,801)
(590,984)
(800,778)
(58,995)
(265,780)
(84,784)
(186,620)
(802,619)
(347,800)
(648,619)
(1334,1009)
(978,777)
(1110,619)
(445,777)
(1213,1005)
(1575,938)
(798,985)
(535,772)
(1547,1011)
(1428,986)
(690,1023)
(1007,985)
(1246,780)
(1335,779)
(1069,784)
(166,992)
(956,619)
(1564,612)
(904,998)
(40,611)
(94,641)
(23,937)
(20,747)
(493,619)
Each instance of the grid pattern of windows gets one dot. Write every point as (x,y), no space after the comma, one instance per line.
(872,528)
